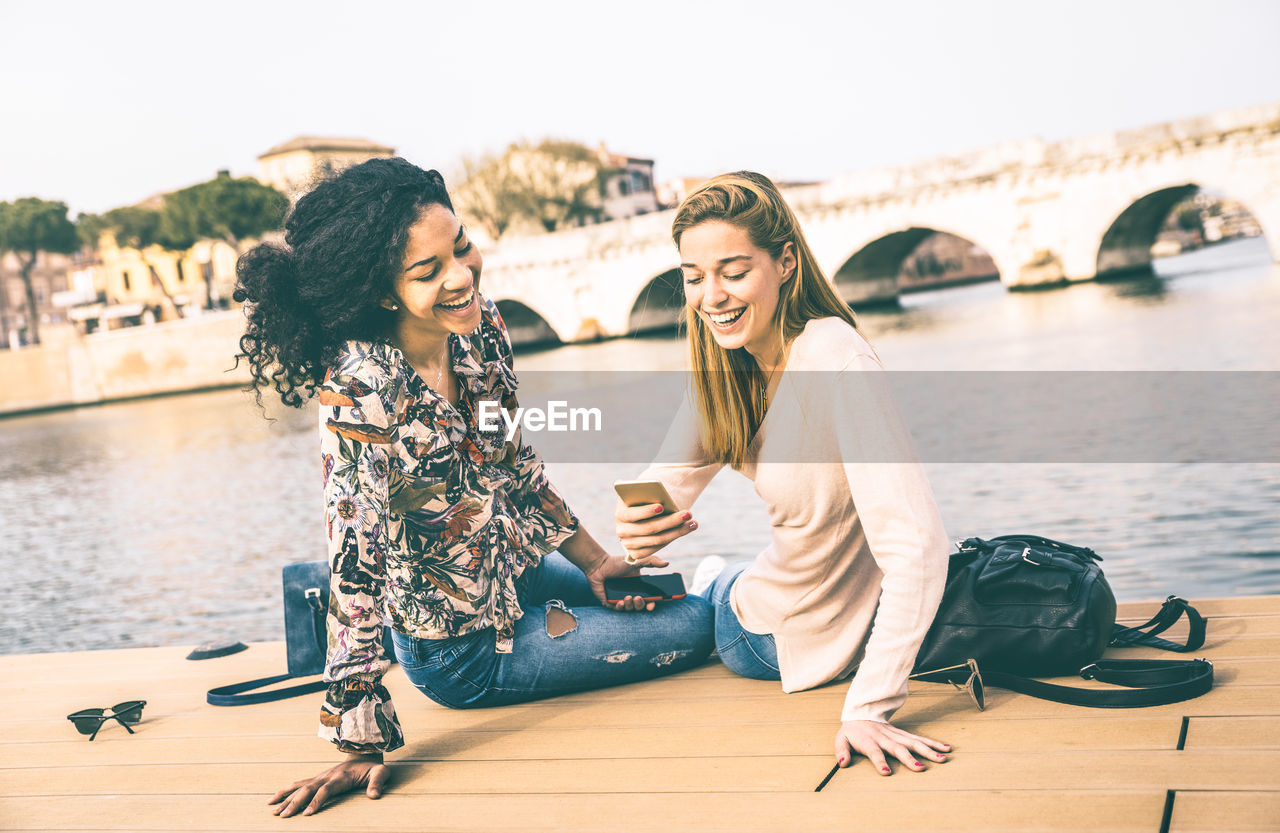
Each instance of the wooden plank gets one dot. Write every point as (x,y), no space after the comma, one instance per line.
(1217,647)
(1225,812)
(1070,771)
(1024,811)
(162,670)
(1003,771)
(423,719)
(38,689)
(1254,615)
(173,697)
(273,652)
(262,659)
(1243,732)
(1139,732)
(1257,671)
(176,675)
(184,695)
(1219,627)
(1101,730)
(189,693)
(72,694)
(616,775)
(1228,605)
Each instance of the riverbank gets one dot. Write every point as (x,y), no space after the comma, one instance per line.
(71,369)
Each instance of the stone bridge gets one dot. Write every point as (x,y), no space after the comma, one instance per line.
(1047,213)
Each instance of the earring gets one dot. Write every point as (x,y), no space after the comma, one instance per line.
(394,307)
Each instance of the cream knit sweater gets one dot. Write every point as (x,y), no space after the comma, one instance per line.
(858,561)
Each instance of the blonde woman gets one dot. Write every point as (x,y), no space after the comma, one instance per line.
(786,391)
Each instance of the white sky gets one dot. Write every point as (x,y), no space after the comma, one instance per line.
(105,103)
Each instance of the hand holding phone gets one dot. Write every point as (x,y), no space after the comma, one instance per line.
(644,492)
(649,519)
(662,587)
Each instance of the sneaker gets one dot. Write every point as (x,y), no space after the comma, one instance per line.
(708,569)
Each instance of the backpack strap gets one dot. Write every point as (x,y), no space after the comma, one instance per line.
(1151,682)
(1173,609)
(234,694)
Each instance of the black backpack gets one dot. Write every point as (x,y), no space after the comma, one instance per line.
(1028,606)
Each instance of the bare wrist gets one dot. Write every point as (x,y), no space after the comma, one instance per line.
(599,562)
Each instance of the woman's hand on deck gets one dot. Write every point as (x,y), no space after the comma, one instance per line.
(310,795)
(643,530)
(613,566)
(873,739)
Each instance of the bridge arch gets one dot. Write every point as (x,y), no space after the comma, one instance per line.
(1125,247)
(526,326)
(1126,244)
(873,273)
(660,304)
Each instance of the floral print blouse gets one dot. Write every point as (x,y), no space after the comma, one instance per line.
(430,520)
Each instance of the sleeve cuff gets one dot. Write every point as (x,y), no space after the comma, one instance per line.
(358,716)
(872,714)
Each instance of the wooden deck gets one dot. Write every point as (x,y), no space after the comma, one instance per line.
(704,751)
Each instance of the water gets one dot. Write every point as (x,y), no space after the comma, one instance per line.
(166,521)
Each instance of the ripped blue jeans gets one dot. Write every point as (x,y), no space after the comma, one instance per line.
(601,647)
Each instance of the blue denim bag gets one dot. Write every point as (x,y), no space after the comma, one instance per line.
(306,602)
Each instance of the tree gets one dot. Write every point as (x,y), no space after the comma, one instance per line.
(563,181)
(137,227)
(488,195)
(223,209)
(89,230)
(29,226)
(551,183)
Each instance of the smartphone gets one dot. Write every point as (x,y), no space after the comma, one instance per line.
(655,588)
(644,492)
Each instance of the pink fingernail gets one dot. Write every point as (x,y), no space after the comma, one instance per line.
(657,510)
(884,769)
(686,516)
(693,524)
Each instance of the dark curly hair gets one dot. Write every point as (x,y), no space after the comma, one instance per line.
(344,245)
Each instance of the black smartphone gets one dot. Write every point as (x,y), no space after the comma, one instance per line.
(655,588)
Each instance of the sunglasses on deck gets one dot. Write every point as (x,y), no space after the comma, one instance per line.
(89,721)
(973,685)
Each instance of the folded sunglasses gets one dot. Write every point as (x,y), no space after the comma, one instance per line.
(89,721)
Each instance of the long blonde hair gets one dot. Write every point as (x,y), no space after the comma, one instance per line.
(729,385)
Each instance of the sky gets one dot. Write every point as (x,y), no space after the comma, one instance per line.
(104,104)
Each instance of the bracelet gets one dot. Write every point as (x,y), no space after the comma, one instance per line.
(368,756)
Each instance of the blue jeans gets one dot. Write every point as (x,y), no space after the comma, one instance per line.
(746,654)
(606,647)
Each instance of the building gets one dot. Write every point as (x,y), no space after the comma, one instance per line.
(1203,219)
(629,189)
(49,282)
(157,284)
(296,165)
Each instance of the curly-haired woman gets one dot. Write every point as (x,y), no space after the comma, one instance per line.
(443,528)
